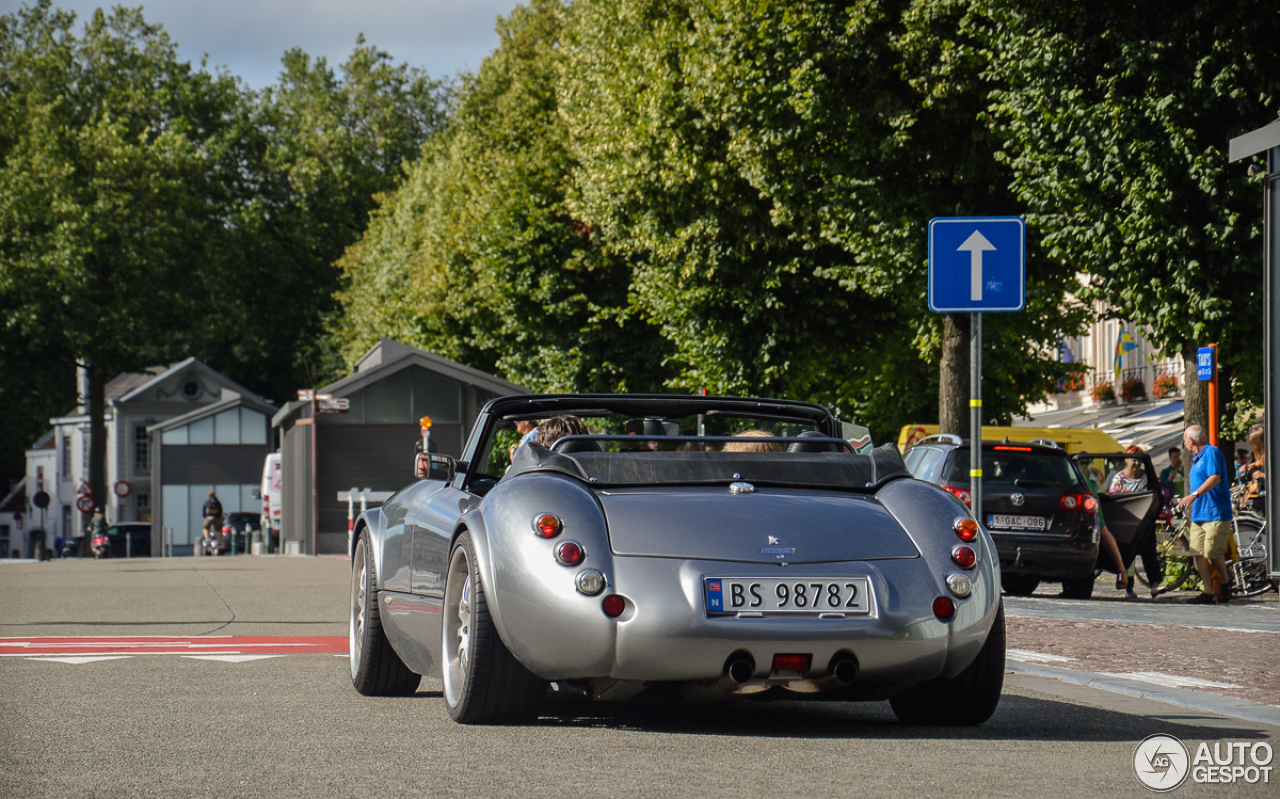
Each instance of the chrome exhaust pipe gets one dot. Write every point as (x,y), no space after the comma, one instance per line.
(738,671)
(842,672)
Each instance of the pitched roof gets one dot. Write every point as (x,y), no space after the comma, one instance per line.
(126,382)
(16,502)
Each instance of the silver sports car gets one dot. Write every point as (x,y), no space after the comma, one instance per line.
(709,547)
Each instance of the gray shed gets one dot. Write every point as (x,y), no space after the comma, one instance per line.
(372,445)
(218,447)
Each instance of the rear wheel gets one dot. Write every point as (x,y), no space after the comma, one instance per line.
(1081,588)
(376,669)
(968,698)
(483,681)
(1019,584)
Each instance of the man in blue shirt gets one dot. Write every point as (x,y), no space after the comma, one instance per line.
(1210,502)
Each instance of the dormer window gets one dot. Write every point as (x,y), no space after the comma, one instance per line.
(191,389)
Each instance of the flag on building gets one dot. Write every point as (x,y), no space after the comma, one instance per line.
(1124,343)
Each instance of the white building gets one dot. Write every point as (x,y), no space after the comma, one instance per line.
(58,464)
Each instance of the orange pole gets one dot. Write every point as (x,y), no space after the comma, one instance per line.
(1213,399)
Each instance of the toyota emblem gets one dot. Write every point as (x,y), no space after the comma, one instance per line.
(1018,499)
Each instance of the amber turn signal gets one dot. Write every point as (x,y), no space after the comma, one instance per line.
(547,525)
(966,529)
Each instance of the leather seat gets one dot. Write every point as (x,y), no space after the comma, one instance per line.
(814,446)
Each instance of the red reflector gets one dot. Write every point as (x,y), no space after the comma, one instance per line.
(613,606)
(964,495)
(569,553)
(966,529)
(792,662)
(1013,449)
(943,608)
(547,525)
(964,556)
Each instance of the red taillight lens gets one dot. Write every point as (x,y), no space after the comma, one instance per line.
(792,662)
(963,494)
(547,525)
(1012,449)
(944,608)
(613,606)
(964,556)
(1084,502)
(966,529)
(569,553)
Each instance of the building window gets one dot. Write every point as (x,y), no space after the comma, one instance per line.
(141,450)
(66,456)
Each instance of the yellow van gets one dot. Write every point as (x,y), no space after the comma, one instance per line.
(1071,439)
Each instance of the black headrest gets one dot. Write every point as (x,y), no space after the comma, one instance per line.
(654,427)
(578,445)
(816,446)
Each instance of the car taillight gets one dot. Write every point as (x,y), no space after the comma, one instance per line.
(569,553)
(966,529)
(1084,502)
(1012,449)
(944,608)
(963,494)
(613,606)
(547,525)
(792,662)
(964,556)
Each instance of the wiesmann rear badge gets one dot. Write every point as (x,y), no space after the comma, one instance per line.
(773,549)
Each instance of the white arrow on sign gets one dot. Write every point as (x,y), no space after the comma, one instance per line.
(976,245)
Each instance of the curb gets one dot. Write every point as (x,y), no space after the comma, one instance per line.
(1210,703)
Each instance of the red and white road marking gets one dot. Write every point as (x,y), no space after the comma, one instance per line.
(234,649)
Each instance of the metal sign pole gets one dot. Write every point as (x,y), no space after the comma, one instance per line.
(975,414)
(1271,295)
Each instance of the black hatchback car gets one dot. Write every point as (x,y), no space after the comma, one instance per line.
(1040,511)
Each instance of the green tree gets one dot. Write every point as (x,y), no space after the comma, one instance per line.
(113,157)
(477,256)
(1116,119)
(771,168)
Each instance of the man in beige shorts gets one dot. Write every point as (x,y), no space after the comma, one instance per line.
(1210,501)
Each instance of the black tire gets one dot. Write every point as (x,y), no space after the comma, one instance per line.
(1019,584)
(1081,588)
(967,699)
(376,669)
(483,681)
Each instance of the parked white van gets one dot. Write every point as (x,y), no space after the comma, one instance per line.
(272,471)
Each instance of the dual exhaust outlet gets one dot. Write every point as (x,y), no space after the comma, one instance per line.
(740,668)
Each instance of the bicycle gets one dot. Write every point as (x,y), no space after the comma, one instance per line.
(1246,554)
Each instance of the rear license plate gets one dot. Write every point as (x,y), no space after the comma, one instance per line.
(811,596)
(1004,521)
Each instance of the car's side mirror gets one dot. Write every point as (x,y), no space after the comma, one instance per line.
(435,467)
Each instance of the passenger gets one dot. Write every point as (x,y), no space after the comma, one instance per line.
(752,446)
(528,430)
(1131,478)
(557,427)
(1127,481)
(1106,540)
(1174,475)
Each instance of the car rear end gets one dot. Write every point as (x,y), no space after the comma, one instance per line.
(1039,510)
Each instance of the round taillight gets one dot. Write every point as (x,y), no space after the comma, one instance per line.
(1090,505)
(547,525)
(1069,502)
(613,606)
(960,585)
(569,553)
(966,529)
(944,608)
(964,556)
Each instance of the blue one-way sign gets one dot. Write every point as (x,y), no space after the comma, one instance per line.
(977,264)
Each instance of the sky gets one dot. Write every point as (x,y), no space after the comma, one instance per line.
(249,37)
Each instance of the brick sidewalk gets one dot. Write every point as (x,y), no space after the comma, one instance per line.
(1249,660)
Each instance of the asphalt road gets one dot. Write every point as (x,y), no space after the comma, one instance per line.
(174,726)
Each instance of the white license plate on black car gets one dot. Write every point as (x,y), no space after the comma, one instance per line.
(1005,521)
(834,597)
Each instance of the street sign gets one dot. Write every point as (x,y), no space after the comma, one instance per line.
(84,503)
(1204,363)
(977,264)
(331,405)
(306,394)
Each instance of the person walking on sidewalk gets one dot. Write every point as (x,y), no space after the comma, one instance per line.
(1210,503)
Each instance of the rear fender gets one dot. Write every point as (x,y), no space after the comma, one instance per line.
(531,596)
(374,522)
(928,514)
